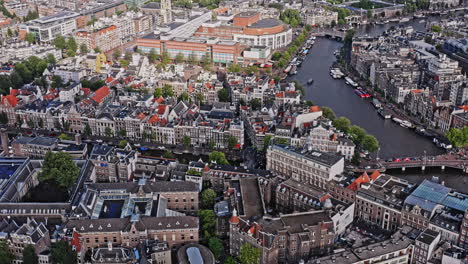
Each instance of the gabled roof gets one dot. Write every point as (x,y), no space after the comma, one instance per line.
(100,94)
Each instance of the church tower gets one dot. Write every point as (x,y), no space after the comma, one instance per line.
(166,11)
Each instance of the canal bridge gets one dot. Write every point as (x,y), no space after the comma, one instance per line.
(328,33)
(423,164)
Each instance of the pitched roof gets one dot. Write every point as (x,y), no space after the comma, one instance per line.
(100,94)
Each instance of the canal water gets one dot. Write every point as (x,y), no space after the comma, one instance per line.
(395,141)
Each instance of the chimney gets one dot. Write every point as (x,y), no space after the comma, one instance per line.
(4,139)
(78,139)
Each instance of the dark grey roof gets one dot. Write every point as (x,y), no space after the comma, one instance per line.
(40,141)
(152,5)
(428,236)
(149,187)
(266,23)
(324,158)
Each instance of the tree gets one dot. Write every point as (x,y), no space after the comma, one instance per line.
(128,55)
(234,68)
(458,137)
(370,143)
(71,44)
(186,140)
(168,154)
(223,95)
(179,58)
(167,91)
(436,28)
(255,104)
(216,246)
(249,254)
(59,42)
(251,69)
(51,59)
(231,142)
(123,143)
(356,159)
(218,158)
(266,142)
(30,38)
(199,97)
(87,130)
(122,133)
(64,136)
(56,81)
(357,134)
(116,54)
(9,33)
(124,63)
(29,255)
(60,168)
(152,57)
(165,57)
(71,53)
(208,197)
(83,49)
(108,132)
(184,97)
(291,17)
(5,256)
(230,260)
(62,253)
(342,123)
(207,222)
(97,50)
(157,93)
(276,56)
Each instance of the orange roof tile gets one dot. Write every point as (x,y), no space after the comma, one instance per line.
(10,99)
(314,108)
(375,175)
(100,94)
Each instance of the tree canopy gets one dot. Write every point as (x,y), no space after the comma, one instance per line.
(458,137)
(5,256)
(60,168)
(62,253)
(208,198)
(29,255)
(249,254)
(291,17)
(218,158)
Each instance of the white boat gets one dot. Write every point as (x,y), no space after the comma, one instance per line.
(350,82)
(397,120)
(405,19)
(406,124)
(376,103)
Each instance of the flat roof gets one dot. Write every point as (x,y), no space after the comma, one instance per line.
(266,23)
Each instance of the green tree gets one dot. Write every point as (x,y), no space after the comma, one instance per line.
(56,82)
(123,143)
(124,63)
(108,132)
(216,246)
(199,97)
(266,142)
(157,93)
(59,42)
(218,158)
(207,222)
(276,56)
(71,53)
(231,142)
(5,256)
(87,130)
(234,68)
(168,154)
(184,97)
(370,143)
(62,253)
(64,136)
(186,140)
(122,133)
(223,95)
(97,50)
(71,44)
(342,123)
(116,54)
(208,197)
(83,49)
(255,103)
(230,260)
(436,28)
(458,137)
(211,145)
(249,254)
(30,38)
(357,134)
(291,17)
(167,91)
(51,59)
(165,57)
(179,58)
(152,57)
(9,33)
(251,69)
(60,168)
(29,255)
(356,159)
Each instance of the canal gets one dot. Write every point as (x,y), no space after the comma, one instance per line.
(395,141)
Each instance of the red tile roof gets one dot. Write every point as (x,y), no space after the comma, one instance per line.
(314,108)
(11,100)
(101,94)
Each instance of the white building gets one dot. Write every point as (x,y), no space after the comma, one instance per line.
(47,28)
